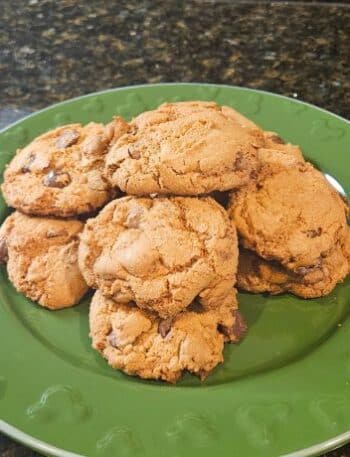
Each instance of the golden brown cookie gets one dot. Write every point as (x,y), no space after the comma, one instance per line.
(273,148)
(60,172)
(161,253)
(186,148)
(42,258)
(140,343)
(277,153)
(258,275)
(291,215)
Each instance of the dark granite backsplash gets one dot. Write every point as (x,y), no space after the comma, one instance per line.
(51,51)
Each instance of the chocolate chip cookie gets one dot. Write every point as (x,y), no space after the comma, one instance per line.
(140,343)
(186,148)
(42,258)
(290,215)
(60,172)
(161,253)
(258,275)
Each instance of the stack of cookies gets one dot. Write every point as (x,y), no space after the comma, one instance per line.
(293,228)
(51,182)
(162,254)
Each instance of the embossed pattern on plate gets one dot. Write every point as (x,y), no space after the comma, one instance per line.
(59,403)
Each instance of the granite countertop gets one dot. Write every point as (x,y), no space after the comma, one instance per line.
(51,51)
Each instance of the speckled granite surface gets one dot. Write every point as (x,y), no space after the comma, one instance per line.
(51,51)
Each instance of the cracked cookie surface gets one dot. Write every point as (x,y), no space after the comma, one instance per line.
(258,275)
(185,148)
(140,343)
(291,215)
(161,253)
(42,258)
(60,173)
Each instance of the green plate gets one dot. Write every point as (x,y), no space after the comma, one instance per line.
(285,389)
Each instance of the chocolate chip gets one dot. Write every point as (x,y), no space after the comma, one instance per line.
(314,233)
(239,162)
(134,154)
(57,179)
(29,161)
(132,130)
(55,233)
(303,270)
(302,167)
(67,138)
(164,326)
(277,139)
(253,174)
(3,251)
(307,269)
(237,330)
(112,339)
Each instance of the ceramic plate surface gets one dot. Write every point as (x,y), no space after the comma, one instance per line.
(285,389)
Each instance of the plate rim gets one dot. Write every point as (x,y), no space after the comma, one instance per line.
(139,86)
(34,443)
(41,446)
